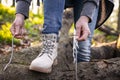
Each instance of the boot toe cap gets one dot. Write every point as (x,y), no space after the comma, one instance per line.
(40,64)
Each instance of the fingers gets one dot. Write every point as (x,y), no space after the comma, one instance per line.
(17,28)
(12,29)
(18,31)
(78,32)
(84,36)
(82,32)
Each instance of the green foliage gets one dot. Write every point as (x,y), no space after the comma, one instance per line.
(6,13)
(71,31)
(6,17)
(33,24)
(5,34)
(98,32)
(104,37)
(111,38)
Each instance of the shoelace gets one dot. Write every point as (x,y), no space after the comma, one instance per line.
(10,56)
(47,48)
(75,60)
(75,45)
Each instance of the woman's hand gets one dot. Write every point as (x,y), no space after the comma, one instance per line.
(82,28)
(17,29)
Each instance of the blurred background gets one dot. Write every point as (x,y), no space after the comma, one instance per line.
(109,32)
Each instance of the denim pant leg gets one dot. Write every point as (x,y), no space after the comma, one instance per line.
(82,48)
(53,11)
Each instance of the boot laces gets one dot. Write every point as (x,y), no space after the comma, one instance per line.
(48,46)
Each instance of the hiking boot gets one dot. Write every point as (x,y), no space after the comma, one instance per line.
(47,57)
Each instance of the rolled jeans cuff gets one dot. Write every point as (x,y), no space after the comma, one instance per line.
(48,30)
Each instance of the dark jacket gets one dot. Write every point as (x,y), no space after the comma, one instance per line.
(105,8)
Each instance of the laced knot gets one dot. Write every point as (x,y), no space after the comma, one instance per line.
(48,45)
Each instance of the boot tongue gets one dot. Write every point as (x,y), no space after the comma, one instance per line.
(52,37)
(49,43)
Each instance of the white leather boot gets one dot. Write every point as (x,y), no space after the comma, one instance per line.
(47,57)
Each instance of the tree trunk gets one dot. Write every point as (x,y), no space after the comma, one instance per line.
(13,3)
(119,18)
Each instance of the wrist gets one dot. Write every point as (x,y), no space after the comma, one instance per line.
(84,18)
(20,16)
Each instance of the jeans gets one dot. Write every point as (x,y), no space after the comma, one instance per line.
(53,11)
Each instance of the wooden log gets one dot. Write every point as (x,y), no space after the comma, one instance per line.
(65,70)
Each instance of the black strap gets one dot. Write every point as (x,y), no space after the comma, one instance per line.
(69,3)
(38,2)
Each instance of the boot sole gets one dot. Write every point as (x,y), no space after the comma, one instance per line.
(43,70)
(38,69)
